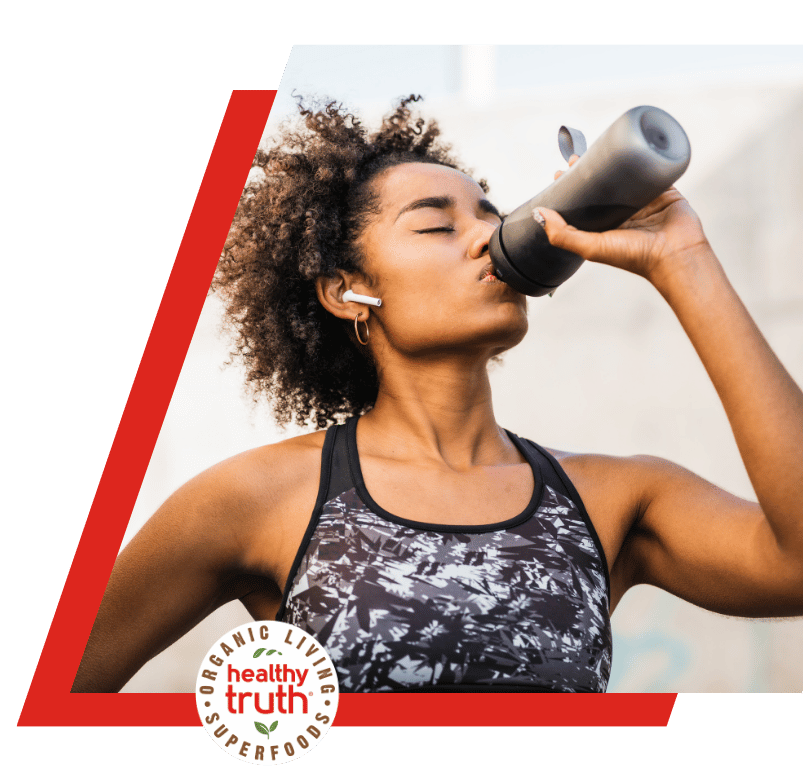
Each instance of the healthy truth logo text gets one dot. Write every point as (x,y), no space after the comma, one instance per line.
(284,700)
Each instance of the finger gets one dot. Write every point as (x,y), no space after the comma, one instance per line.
(665,199)
(572,160)
(565,236)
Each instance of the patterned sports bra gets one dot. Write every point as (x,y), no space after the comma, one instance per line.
(517,606)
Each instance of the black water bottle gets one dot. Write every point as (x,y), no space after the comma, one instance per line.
(640,156)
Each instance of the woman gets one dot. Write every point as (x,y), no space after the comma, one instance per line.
(422,544)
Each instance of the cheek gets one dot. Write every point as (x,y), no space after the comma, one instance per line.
(411,288)
(420,298)
(416,316)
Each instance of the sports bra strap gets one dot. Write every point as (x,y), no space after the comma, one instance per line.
(339,476)
(555,477)
(552,473)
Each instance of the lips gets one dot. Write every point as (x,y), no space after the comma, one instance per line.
(488,273)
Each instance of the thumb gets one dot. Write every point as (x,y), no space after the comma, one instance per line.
(565,236)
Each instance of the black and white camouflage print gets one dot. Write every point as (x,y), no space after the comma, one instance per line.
(398,607)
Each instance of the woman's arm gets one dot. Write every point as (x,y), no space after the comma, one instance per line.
(223,535)
(177,569)
(690,533)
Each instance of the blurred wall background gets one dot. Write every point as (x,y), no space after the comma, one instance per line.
(605,367)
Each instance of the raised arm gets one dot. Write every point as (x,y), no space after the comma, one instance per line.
(690,537)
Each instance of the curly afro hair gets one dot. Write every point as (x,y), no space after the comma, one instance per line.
(299,219)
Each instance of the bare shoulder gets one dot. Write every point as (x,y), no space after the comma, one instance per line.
(261,479)
(276,465)
(221,510)
(611,487)
(633,477)
(619,487)
(620,476)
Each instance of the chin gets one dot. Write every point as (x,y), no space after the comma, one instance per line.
(515,321)
(510,342)
(508,335)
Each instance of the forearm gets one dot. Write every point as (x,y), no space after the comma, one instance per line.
(762,402)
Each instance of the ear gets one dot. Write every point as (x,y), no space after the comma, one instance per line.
(330,292)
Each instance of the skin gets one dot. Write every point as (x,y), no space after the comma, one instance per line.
(432,451)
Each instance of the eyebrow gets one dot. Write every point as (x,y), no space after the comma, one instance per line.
(445,202)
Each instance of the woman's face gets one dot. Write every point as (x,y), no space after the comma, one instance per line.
(427,253)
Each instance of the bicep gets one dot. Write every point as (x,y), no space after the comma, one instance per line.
(710,547)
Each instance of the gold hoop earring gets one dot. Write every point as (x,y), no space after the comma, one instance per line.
(357,330)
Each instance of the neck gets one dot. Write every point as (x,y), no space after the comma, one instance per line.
(436,412)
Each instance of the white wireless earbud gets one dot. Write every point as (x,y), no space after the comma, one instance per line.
(350,296)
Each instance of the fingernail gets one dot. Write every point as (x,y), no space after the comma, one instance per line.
(539,217)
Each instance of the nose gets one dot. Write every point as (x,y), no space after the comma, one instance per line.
(480,238)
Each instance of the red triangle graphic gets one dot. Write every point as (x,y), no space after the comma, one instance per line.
(49,701)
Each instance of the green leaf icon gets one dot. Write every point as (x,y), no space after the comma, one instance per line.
(274,726)
(259,652)
(261,728)
(270,652)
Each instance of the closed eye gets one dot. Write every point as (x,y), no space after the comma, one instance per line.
(436,230)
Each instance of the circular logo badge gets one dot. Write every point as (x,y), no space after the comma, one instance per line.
(267,692)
